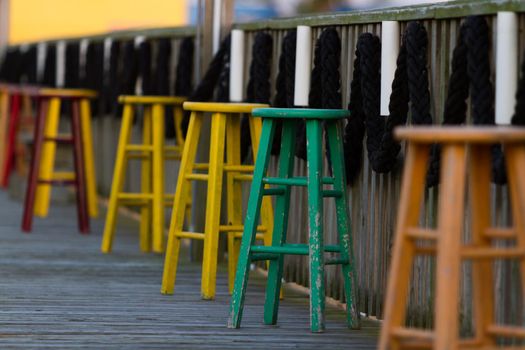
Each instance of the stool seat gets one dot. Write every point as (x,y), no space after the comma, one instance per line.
(67,93)
(149,100)
(220,107)
(307,113)
(471,134)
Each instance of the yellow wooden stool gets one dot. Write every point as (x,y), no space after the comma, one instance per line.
(225,136)
(152,152)
(46,172)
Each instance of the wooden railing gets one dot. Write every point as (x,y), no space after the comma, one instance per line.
(373,197)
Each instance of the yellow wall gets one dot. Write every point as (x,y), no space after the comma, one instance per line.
(32,20)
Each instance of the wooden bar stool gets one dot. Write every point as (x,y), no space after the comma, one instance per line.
(280,187)
(18,111)
(153,153)
(41,173)
(54,98)
(466,153)
(225,137)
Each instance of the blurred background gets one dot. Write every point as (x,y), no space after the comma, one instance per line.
(31,20)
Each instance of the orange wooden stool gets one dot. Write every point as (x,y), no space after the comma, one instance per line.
(463,149)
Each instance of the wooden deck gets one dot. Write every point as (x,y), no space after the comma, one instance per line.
(58,291)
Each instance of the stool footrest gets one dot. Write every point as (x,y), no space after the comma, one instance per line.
(277,191)
(506,331)
(412,333)
(492,253)
(292,249)
(197,177)
(239,228)
(500,233)
(264,256)
(332,193)
(190,235)
(61,139)
(239,168)
(294,181)
(243,177)
(57,182)
(142,148)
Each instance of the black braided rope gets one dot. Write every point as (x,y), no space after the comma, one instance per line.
(409,88)
(72,66)
(144,67)
(519,110)
(50,66)
(285,84)
(258,90)
(206,87)
(325,83)
(184,70)
(111,82)
(470,74)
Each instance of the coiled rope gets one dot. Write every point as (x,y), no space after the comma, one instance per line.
(409,88)
(470,74)
(206,87)
(258,90)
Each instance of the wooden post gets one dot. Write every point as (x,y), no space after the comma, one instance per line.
(4,24)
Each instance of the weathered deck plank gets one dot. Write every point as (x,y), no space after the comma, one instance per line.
(58,291)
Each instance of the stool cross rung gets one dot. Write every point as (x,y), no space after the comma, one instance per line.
(413,333)
(293,249)
(197,177)
(191,235)
(471,252)
(57,182)
(239,168)
(500,233)
(506,331)
(61,139)
(239,228)
(143,148)
(293,181)
(421,233)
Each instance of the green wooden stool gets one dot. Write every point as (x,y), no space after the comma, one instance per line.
(280,186)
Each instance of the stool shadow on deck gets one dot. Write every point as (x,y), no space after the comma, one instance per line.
(57,290)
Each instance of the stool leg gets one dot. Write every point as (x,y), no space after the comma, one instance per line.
(158,181)
(87,141)
(416,163)
(179,202)
(515,159)
(234,196)
(32,179)
(335,140)
(178,113)
(80,175)
(266,208)
(480,166)
(118,179)
(315,223)
(146,184)
(4,123)
(250,224)
(11,140)
(282,205)
(213,205)
(47,162)
(450,227)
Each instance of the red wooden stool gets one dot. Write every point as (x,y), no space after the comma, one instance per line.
(16,96)
(45,96)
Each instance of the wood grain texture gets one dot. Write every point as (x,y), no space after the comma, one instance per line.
(57,291)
